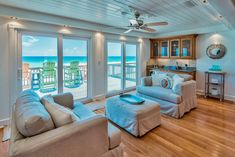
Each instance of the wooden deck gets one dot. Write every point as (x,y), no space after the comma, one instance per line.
(208,131)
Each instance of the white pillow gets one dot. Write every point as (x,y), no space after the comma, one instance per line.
(177,83)
(157,78)
(60,114)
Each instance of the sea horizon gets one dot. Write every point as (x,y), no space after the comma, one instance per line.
(37,61)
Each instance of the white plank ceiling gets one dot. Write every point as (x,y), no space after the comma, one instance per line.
(180,14)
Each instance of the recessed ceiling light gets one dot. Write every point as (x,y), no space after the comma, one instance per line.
(13,18)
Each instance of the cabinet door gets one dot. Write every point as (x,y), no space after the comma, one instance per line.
(164,49)
(175,48)
(155,51)
(186,48)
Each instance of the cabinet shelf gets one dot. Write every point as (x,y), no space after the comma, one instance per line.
(219,86)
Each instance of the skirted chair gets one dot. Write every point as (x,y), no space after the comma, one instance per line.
(48,77)
(73,75)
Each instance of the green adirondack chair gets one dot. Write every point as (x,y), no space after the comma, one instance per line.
(48,77)
(73,75)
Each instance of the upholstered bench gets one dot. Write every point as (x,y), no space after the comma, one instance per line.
(136,119)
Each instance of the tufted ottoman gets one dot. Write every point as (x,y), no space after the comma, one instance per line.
(136,119)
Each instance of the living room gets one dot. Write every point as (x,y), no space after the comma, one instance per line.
(152,78)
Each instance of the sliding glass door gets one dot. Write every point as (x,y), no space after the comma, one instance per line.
(75,61)
(121,66)
(54,64)
(114,66)
(39,64)
(130,65)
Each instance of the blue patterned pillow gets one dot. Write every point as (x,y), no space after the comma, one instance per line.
(166,82)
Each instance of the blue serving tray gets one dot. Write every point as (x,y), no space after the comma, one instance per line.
(132,99)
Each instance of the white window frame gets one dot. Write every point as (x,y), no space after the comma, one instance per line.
(123,54)
(60,38)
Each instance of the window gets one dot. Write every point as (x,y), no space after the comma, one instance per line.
(121,66)
(75,67)
(47,71)
(39,64)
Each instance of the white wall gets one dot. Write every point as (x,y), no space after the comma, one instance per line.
(227,63)
(97,48)
(4,84)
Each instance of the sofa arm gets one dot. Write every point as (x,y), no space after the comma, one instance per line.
(146,81)
(64,99)
(85,138)
(188,89)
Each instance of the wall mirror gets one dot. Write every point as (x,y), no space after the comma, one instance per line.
(216,51)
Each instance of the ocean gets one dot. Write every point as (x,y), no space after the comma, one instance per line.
(37,61)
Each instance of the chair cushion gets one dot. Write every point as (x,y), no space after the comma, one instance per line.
(82,111)
(160,93)
(114,136)
(60,114)
(31,117)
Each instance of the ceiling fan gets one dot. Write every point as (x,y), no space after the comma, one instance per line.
(137,23)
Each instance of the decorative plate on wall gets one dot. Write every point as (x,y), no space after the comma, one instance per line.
(216,51)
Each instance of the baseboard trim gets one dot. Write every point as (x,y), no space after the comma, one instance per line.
(226,97)
(99,97)
(4,122)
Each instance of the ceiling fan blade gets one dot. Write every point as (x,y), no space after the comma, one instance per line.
(148,29)
(129,30)
(156,24)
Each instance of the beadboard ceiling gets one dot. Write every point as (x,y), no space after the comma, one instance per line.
(180,14)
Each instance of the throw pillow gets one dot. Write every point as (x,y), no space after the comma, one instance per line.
(30,115)
(60,114)
(177,83)
(157,78)
(166,82)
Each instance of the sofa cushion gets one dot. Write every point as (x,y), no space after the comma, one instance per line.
(160,93)
(27,96)
(157,78)
(177,84)
(31,117)
(60,114)
(114,136)
(82,111)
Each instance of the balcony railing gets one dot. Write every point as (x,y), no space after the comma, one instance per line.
(114,71)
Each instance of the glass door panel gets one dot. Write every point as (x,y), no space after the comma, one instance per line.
(186,48)
(164,49)
(155,49)
(39,64)
(174,48)
(130,65)
(114,66)
(75,67)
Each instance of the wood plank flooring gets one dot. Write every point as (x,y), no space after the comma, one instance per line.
(208,131)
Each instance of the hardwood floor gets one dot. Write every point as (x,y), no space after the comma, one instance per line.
(208,131)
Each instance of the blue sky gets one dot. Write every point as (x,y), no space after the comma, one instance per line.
(114,49)
(47,46)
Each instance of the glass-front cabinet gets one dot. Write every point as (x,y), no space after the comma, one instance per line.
(164,49)
(178,47)
(186,48)
(175,48)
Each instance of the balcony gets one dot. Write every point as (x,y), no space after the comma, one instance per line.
(32,79)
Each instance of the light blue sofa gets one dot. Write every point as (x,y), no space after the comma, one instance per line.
(172,104)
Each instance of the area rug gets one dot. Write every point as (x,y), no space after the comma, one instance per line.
(95,107)
(6,133)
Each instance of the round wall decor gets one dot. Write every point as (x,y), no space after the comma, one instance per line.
(216,51)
